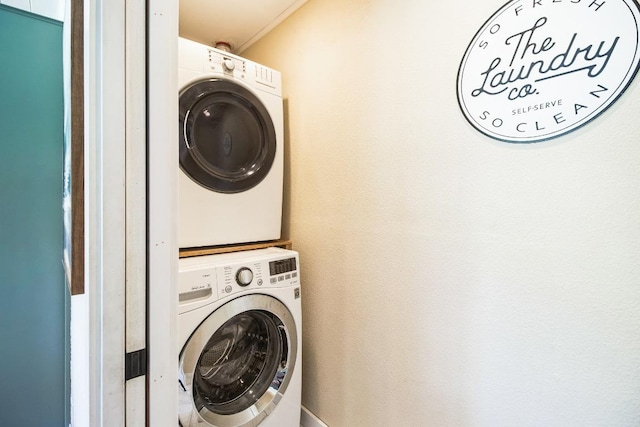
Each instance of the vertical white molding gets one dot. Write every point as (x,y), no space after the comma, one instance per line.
(162,131)
(79,325)
(111,204)
(85,378)
(136,226)
(105,209)
(80,372)
(93,386)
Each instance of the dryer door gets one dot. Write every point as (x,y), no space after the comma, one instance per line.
(227,137)
(237,364)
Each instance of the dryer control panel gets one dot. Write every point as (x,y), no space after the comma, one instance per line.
(238,68)
(228,64)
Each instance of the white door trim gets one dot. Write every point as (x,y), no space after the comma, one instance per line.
(136,202)
(162,131)
(105,208)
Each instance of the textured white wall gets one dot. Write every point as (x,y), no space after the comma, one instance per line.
(50,8)
(450,279)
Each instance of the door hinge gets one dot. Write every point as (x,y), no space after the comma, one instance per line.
(135,364)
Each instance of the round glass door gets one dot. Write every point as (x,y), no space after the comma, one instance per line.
(227,137)
(234,369)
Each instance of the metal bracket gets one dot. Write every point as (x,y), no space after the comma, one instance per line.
(135,364)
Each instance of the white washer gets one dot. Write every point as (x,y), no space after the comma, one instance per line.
(231,148)
(239,339)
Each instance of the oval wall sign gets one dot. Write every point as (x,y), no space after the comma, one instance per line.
(539,69)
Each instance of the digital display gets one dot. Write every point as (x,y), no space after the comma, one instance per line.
(282,266)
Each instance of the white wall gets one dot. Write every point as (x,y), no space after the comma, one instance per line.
(450,279)
(50,8)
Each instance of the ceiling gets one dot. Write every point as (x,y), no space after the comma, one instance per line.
(238,22)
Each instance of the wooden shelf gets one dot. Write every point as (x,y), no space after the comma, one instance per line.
(211,250)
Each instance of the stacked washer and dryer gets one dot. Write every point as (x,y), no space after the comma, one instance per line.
(239,313)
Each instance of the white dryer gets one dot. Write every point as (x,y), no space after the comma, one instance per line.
(231,148)
(239,339)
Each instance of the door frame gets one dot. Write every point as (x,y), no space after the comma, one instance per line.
(130,200)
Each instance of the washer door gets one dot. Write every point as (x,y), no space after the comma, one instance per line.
(227,137)
(237,364)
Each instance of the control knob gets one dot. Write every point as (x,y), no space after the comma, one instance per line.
(244,276)
(228,64)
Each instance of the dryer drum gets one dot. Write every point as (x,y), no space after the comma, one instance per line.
(227,137)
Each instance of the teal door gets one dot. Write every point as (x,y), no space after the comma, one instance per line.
(33,296)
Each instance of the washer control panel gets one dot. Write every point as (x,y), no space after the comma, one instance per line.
(244,276)
(277,273)
(203,280)
(283,270)
(196,284)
